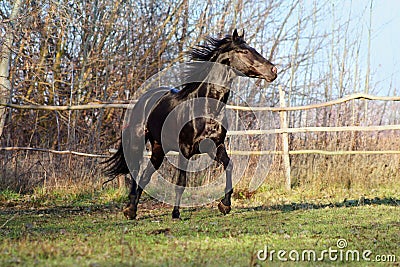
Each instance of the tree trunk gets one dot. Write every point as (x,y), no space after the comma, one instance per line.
(5,84)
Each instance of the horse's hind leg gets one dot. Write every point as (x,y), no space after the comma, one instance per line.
(222,157)
(180,187)
(155,162)
(128,211)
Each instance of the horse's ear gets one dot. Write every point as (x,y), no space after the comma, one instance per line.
(242,35)
(235,35)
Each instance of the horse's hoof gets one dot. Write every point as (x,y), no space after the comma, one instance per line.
(223,208)
(129,213)
(176,215)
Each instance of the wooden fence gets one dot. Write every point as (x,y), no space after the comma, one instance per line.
(283,130)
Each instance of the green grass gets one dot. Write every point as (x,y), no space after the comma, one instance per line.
(84,234)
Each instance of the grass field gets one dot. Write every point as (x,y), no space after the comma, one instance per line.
(90,230)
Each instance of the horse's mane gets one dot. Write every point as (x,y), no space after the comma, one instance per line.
(209,51)
(212,47)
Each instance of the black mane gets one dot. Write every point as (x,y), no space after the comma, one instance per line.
(213,47)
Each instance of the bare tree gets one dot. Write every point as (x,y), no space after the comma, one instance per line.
(5,84)
(78,52)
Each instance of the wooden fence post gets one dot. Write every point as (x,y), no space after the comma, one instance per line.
(285,140)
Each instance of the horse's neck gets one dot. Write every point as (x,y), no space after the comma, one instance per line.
(217,83)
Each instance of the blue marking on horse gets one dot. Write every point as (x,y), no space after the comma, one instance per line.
(174,90)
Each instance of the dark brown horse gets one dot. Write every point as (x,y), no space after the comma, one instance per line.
(157,118)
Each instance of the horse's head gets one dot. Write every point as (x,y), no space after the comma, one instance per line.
(239,55)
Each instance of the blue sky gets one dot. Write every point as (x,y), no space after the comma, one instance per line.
(385,43)
(347,23)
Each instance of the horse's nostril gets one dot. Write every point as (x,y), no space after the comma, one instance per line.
(274,69)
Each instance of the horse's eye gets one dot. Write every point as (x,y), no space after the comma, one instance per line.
(243,51)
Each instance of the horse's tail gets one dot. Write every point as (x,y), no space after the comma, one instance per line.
(130,149)
(116,164)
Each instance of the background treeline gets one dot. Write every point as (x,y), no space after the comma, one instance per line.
(79,52)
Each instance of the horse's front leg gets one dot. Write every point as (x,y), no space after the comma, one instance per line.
(222,157)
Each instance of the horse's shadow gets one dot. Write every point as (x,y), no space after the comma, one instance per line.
(116,208)
(388,201)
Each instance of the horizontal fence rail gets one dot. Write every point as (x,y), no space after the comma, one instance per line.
(230,152)
(318,129)
(281,130)
(127,104)
(60,152)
